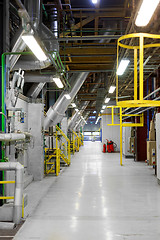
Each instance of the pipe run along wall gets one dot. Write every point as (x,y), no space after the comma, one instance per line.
(57,111)
(18,194)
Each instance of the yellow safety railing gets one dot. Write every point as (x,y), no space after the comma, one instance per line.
(81,139)
(11,197)
(66,146)
(52,159)
(76,141)
(141,37)
(121,124)
(6,197)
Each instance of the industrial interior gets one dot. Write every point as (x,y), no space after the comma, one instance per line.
(80,119)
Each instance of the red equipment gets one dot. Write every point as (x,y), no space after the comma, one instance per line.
(104,148)
(110,146)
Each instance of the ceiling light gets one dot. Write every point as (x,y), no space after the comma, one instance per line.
(32,43)
(73,105)
(94,1)
(122,66)
(67,96)
(104,106)
(112,89)
(107,100)
(94,111)
(102,111)
(58,82)
(145,12)
(76,110)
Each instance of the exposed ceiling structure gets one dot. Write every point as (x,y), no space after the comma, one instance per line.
(87,35)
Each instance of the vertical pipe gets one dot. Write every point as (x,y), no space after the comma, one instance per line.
(121,136)
(135,74)
(117,75)
(147,111)
(141,52)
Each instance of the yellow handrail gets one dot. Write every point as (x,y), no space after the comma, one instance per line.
(67,145)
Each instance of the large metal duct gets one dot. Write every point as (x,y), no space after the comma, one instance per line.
(18,193)
(57,111)
(77,115)
(78,125)
(34,10)
(37,78)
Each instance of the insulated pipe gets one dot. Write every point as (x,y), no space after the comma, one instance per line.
(18,194)
(74,118)
(30,77)
(78,125)
(34,10)
(9,137)
(57,111)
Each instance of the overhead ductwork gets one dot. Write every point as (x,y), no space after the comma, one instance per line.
(77,115)
(37,78)
(35,90)
(29,62)
(57,111)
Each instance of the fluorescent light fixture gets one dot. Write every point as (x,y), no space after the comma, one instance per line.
(112,89)
(104,106)
(107,100)
(145,12)
(122,66)
(94,1)
(58,82)
(73,105)
(67,96)
(32,43)
(76,110)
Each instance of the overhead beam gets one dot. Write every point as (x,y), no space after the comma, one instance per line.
(88,51)
(86,38)
(78,25)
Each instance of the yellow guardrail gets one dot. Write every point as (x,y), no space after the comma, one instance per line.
(6,197)
(66,146)
(81,139)
(121,124)
(137,49)
(11,197)
(76,141)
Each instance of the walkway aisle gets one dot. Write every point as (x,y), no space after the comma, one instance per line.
(96,199)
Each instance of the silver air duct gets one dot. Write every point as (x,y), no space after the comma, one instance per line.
(37,78)
(77,115)
(57,111)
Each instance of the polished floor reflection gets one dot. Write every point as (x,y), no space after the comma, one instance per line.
(96,198)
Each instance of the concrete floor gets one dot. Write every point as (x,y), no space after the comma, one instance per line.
(96,198)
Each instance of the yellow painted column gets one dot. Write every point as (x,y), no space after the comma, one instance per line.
(135,74)
(141,52)
(121,136)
